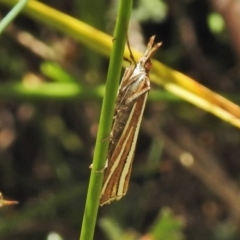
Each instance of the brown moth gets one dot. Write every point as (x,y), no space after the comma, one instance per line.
(130,104)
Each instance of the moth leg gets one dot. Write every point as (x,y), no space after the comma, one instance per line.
(126,79)
(137,95)
(129,79)
(106,138)
(106,165)
(127,60)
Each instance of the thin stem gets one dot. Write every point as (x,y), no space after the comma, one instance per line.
(12,14)
(95,184)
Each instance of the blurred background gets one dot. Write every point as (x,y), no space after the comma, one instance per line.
(186,172)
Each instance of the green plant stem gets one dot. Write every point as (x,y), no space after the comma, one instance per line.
(12,14)
(100,153)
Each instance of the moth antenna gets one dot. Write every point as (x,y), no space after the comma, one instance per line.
(130,51)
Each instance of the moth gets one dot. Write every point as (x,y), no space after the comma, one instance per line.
(130,104)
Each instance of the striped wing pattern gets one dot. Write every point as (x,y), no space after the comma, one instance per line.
(130,105)
(117,173)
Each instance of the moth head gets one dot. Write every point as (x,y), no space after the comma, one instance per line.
(148,65)
(150,50)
